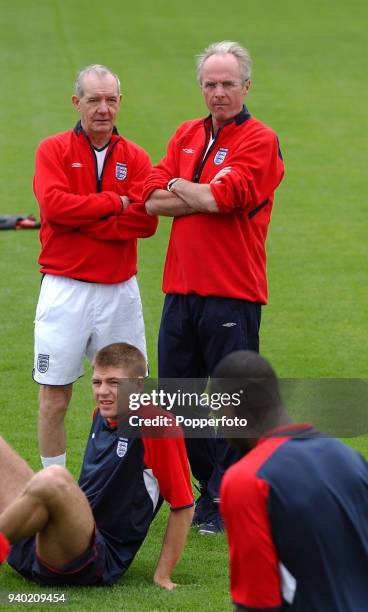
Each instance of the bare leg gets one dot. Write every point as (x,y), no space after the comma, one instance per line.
(53,403)
(52,506)
(15,473)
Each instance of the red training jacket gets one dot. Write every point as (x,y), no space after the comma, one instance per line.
(85,234)
(223,254)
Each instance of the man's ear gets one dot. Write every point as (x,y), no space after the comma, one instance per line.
(247,86)
(76,102)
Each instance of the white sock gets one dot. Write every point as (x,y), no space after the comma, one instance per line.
(58,460)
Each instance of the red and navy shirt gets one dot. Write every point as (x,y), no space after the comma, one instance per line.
(224,254)
(125,481)
(296,515)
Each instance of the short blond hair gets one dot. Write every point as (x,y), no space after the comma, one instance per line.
(122,355)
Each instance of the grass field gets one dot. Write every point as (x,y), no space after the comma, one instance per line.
(309,84)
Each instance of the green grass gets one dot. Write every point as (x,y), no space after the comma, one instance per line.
(309,84)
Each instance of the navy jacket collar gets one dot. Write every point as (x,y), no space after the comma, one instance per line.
(79,130)
(240,118)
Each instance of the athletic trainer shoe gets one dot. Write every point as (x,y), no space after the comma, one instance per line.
(214,523)
(212,527)
(203,507)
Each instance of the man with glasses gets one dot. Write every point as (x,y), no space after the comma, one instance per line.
(217,181)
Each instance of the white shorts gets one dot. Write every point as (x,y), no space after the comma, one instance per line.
(75,318)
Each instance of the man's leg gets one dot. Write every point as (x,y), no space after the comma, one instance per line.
(14,474)
(53,404)
(118,317)
(180,357)
(62,329)
(227,325)
(53,508)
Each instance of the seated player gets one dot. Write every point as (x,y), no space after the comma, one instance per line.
(295,506)
(64,534)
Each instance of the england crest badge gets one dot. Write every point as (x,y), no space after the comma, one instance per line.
(220,156)
(43,362)
(122,447)
(121,171)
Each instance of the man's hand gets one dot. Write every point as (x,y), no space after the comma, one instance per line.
(124,202)
(164,582)
(221,173)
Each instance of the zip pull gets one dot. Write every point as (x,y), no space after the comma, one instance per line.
(200,167)
(108,154)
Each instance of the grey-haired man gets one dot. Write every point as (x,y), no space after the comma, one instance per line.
(88,183)
(217,181)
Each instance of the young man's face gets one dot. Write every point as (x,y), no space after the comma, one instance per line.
(105,386)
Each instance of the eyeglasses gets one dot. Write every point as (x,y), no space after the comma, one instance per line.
(227,85)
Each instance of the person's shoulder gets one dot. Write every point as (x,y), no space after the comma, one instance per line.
(259,128)
(130,147)
(348,455)
(191,125)
(241,470)
(248,467)
(56,140)
(241,481)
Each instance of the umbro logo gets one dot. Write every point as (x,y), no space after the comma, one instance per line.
(189,150)
(77,165)
(229,324)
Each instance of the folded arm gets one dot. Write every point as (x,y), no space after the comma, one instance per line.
(57,204)
(197,196)
(167,204)
(133,223)
(184,198)
(255,172)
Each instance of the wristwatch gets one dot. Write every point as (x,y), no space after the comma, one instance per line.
(170,183)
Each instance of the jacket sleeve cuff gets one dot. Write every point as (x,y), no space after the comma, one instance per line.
(118,206)
(217,193)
